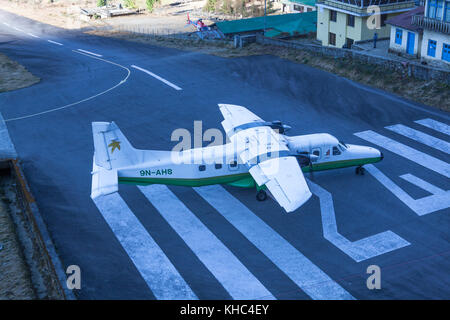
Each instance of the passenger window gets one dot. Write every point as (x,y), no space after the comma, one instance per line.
(218,166)
(233,165)
(316,153)
(202,167)
(336,151)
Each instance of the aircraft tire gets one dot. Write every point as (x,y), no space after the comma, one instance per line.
(261,195)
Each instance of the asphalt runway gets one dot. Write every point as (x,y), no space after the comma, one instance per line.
(218,242)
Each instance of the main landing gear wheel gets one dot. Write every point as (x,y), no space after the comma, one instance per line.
(261,195)
(360,170)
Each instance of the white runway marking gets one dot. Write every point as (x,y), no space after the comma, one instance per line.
(157,77)
(359,250)
(94,54)
(32,35)
(83,100)
(54,42)
(422,184)
(421,206)
(421,137)
(6,24)
(312,280)
(435,125)
(409,153)
(239,282)
(15,28)
(160,275)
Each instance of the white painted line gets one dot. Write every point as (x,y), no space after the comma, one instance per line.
(157,77)
(358,250)
(313,281)
(124,80)
(15,28)
(422,184)
(6,24)
(239,282)
(421,206)
(159,273)
(421,137)
(435,125)
(94,54)
(54,42)
(32,35)
(409,153)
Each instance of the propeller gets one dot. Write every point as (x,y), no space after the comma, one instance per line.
(308,159)
(282,128)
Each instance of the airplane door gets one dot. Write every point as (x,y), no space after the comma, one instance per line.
(316,152)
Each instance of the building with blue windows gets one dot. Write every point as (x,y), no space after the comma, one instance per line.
(423,32)
(435,23)
(406,37)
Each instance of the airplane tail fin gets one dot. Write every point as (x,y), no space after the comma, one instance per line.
(112,151)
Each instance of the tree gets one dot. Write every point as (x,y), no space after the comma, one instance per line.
(211,5)
(151,4)
(101,3)
(130,3)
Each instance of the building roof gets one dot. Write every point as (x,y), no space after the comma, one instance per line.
(293,23)
(310,3)
(404,20)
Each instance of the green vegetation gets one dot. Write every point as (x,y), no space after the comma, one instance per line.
(101,3)
(130,4)
(244,8)
(151,4)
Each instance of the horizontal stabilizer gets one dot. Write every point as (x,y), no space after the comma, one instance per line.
(103,181)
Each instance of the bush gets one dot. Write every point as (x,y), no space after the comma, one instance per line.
(130,4)
(101,3)
(210,5)
(151,4)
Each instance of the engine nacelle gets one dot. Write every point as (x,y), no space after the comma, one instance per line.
(277,125)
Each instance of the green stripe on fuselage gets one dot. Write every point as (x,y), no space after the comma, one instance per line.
(241,179)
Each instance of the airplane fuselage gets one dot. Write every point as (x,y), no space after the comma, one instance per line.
(221,164)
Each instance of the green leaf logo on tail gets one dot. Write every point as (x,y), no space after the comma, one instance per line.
(114,145)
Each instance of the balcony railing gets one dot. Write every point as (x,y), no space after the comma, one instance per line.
(367,3)
(431,24)
(359,7)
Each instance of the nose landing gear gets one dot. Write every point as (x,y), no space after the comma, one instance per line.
(360,170)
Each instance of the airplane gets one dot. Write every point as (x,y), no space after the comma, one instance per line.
(258,155)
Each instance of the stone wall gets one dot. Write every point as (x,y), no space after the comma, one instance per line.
(413,69)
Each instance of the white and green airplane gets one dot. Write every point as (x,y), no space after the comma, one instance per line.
(258,155)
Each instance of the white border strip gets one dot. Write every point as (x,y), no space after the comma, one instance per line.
(32,35)
(421,137)
(94,54)
(239,282)
(409,153)
(170,84)
(54,42)
(305,274)
(435,125)
(154,266)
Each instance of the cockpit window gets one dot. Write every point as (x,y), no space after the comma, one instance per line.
(342,144)
(336,151)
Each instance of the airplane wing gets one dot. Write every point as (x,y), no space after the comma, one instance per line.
(237,117)
(267,156)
